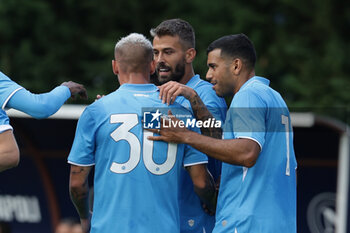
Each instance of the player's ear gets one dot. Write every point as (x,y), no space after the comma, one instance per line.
(236,66)
(190,55)
(115,67)
(152,67)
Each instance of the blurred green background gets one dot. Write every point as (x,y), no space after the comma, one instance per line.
(303,47)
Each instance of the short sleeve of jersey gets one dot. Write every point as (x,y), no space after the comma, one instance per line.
(4,122)
(193,157)
(7,89)
(82,152)
(248,113)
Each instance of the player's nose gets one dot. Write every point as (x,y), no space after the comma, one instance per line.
(209,75)
(159,58)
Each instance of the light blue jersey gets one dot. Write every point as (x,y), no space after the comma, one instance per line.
(7,89)
(4,122)
(261,199)
(136,183)
(38,106)
(193,218)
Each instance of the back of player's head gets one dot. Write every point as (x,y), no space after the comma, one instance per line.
(176,27)
(134,53)
(235,46)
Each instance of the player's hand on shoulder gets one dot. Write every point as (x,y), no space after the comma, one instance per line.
(170,90)
(76,89)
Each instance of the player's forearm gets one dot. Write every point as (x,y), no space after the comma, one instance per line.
(80,199)
(79,190)
(8,160)
(201,112)
(207,193)
(234,151)
(9,153)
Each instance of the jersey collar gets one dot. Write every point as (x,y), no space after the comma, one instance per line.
(255,79)
(193,81)
(139,87)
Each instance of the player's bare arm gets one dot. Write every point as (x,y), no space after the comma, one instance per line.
(76,89)
(9,153)
(201,112)
(79,192)
(170,90)
(243,152)
(204,185)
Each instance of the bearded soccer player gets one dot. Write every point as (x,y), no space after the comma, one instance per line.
(174,52)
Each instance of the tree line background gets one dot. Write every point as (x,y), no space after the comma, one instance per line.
(303,46)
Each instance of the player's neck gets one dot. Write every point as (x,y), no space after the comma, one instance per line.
(243,78)
(134,78)
(189,73)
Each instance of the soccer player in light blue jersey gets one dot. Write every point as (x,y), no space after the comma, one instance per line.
(9,153)
(174,51)
(258,181)
(38,106)
(136,181)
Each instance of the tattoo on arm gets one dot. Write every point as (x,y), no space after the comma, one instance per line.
(78,170)
(79,189)
(201,112)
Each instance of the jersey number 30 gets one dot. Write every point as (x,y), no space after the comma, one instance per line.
(128,121)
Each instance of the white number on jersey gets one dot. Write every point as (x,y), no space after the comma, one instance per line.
(128,121)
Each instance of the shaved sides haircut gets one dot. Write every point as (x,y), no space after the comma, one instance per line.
(133,52)
(235,46)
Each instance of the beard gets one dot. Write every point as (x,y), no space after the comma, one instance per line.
(175,75)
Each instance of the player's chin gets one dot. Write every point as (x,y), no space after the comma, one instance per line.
(221,93)
(217,90)
(164,79)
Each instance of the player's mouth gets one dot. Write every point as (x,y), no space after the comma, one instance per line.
(164,71)
(214,84)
